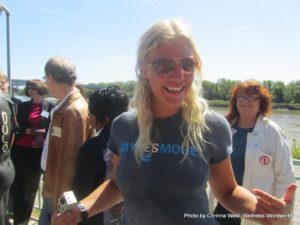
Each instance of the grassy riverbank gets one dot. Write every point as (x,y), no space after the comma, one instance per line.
(295,148)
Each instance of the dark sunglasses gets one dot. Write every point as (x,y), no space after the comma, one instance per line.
(165,66)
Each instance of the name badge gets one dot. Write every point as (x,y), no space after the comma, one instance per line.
(56,131)
(45,114)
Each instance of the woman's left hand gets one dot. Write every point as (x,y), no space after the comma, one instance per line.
(276,211)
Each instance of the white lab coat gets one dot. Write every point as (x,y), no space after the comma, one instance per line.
(268,161)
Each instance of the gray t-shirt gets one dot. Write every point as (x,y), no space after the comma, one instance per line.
(162,189)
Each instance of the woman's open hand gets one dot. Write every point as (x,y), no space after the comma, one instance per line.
(276,211)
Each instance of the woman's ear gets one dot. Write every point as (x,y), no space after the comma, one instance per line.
(104,122)
(98,125)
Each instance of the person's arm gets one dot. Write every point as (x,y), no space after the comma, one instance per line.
(103,198)
(72,130)
(89,170)
(22,123)
(239,200)
(283,163)
(226,190)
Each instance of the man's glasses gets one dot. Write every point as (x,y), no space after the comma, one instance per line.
(165,66)
(247,98)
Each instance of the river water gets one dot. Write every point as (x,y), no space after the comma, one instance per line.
(289,120)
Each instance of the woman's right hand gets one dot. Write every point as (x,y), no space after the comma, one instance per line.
(39,141)
(71,217)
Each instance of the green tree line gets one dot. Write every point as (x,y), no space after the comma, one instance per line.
(220,90)
(281,93)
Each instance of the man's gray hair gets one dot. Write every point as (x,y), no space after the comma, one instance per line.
(61,70)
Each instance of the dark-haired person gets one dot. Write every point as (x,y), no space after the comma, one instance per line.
(92,165)
(7,171)
(33,121)
(68,130)
(261,156)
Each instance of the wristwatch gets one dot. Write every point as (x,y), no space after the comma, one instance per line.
(83,212)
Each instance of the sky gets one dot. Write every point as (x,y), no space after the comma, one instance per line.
(237,39)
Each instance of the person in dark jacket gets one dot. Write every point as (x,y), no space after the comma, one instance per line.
(94,160)
(33,119)
(7,171)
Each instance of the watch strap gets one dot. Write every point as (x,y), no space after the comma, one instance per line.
(83,212)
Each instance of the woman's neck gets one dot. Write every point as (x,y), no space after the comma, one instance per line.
(37,99)
(163,111)
(246,122)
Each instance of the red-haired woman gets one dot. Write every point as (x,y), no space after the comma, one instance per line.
(33,120)
(261,156)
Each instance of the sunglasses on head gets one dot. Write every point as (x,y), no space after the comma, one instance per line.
(165,66)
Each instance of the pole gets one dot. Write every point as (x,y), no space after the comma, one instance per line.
(8,54)
(5,9)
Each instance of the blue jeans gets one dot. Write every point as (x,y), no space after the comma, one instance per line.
(46,212)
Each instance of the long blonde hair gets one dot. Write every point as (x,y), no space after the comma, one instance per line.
(193,108)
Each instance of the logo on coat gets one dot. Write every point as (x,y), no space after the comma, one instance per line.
(264,160)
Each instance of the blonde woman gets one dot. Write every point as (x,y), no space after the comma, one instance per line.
(170,146)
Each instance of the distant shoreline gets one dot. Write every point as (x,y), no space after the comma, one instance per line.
(224,104)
